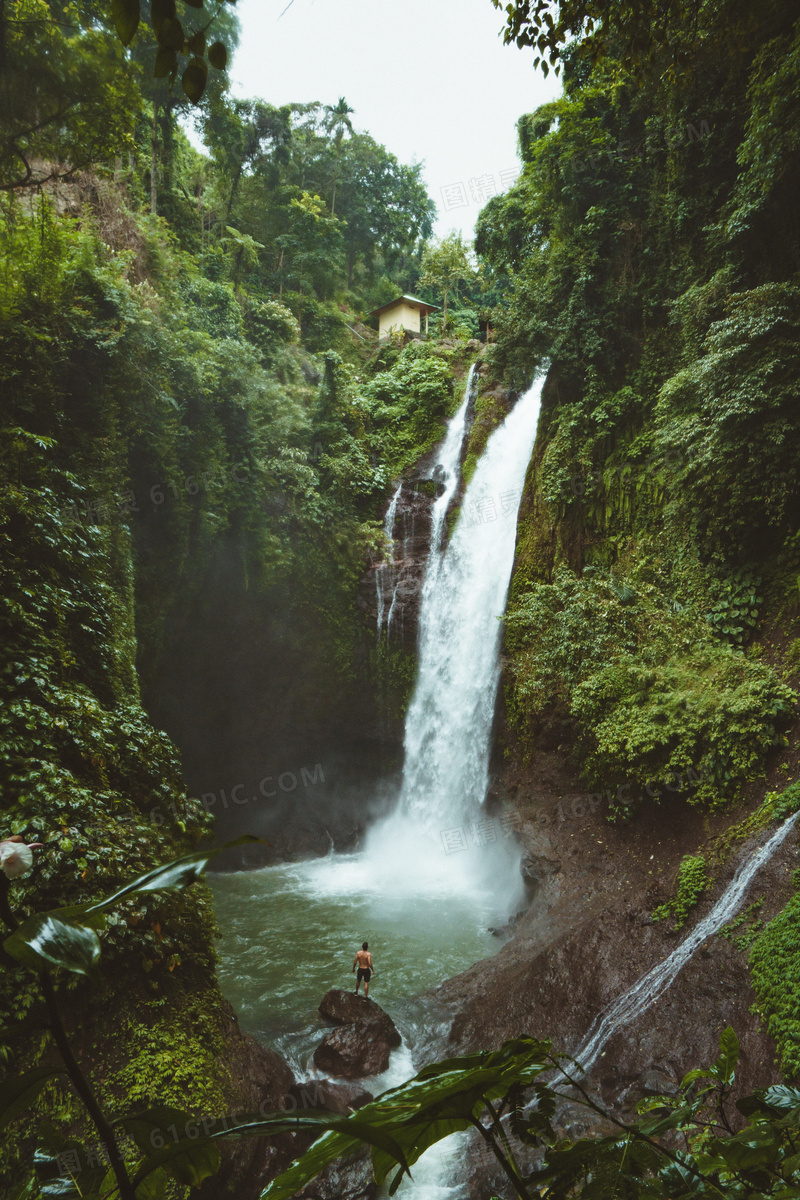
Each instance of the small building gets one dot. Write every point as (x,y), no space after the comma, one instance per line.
(406,313)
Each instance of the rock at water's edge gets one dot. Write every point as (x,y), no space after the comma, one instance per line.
(341,1007)
(355,1050)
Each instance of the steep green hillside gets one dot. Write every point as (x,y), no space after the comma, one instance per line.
(650,253)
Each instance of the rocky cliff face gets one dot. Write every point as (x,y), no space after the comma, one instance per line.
(389,593)
(589,934)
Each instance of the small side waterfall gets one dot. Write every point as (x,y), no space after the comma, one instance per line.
(654,983)
(444,471)
(387,568)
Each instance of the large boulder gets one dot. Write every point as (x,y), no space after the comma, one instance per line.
(341,1007)
(353,1051)
(363,1040)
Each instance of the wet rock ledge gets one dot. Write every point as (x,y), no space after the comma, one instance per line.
(362,1040)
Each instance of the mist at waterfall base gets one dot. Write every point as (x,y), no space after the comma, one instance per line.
(423,898)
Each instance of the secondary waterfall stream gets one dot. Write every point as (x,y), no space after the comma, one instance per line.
(434,875)
(654,983)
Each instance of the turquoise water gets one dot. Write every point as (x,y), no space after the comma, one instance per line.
(290,933)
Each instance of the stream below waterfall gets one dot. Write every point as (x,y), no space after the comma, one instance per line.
(436,873)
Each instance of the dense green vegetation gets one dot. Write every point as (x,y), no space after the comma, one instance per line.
(650,261)
(649,258)
(193,406)
(184,408)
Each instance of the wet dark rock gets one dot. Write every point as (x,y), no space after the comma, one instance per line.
(508,929)
(363,1040)
(536,870)
(348,1180)
(337,1097)
(400,573)
(354,1051)
(656,1083)
(341,1007)
(261,1080)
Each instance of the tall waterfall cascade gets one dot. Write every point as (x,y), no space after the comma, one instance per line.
(654,983)
(437,828)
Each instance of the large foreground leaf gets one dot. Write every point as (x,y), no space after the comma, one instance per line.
(190,1150)
(443,1099)
(67,937)
(53,940)
(177,874)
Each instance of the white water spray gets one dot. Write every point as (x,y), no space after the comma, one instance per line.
(449,722)
(387,567)
(445,471)
(654,983)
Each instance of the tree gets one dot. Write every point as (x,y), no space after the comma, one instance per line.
(640,29)
(336,121)
(67,100)
(245,135)
(445,264)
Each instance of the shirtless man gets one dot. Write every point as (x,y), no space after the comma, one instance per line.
(363,960)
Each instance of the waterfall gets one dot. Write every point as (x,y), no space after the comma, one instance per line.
(654,983)
(445,471)
(449,722)
(388,529)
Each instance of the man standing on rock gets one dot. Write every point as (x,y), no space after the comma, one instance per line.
(363,960)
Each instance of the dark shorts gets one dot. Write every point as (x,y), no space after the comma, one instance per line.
(363,973)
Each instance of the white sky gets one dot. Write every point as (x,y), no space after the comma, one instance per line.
(430,79)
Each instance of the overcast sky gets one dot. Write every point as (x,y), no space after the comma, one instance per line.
(430,79)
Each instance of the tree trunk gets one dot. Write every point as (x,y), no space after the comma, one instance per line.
(166,146)
(154,160)
(444,313)
(234,186)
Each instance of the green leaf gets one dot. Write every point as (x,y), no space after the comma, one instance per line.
(161,11)
(176,874)
(189,1161)
(197,43)
(442,1099)
(780,1099)
(126,19)
(17,1095)
(166,62)
(725,1066)
(218,56)
(47,939)
(63,1166)
(151,1128)
(31,1024)
(170,34)
(327,1149)
(194,79)
(186,1150)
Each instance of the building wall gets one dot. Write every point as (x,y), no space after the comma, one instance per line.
(404,314)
